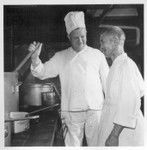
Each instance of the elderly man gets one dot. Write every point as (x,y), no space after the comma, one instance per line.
(82,71)
(121,121)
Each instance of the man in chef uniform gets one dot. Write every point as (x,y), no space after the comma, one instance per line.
(121,121)
(82,71)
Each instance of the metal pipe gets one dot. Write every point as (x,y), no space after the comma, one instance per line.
(39,110)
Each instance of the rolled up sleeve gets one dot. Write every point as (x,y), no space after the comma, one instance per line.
(47,70)
(128,100)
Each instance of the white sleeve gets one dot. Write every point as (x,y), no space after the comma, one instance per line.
(128,99)
(140,81)
(104,70)
(47,70)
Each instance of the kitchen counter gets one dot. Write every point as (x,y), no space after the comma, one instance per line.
(42,132)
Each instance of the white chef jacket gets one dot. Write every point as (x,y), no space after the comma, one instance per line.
(82,76)
(125,87)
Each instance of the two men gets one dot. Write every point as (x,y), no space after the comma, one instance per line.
(121,121)
(82,71)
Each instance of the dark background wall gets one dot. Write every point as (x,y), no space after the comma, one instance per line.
(45,23)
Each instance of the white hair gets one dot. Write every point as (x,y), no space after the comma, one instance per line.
(115,31)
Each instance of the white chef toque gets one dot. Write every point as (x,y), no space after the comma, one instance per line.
(74,20)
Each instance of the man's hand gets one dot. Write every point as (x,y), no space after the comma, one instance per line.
(113,138)
(35,56)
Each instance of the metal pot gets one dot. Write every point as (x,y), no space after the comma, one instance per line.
(48,98)
(32,93)
(20,121)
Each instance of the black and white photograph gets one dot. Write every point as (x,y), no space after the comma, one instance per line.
(73,74)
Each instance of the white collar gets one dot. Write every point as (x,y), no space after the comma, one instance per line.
(79,51)
(120,57)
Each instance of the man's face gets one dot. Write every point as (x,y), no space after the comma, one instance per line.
(107,45)
(78,39)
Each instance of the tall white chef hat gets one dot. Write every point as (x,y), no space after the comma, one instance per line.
(74,20)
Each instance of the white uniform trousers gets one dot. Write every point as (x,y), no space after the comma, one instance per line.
(78,122)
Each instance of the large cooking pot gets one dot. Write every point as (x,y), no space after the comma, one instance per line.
(34,94)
